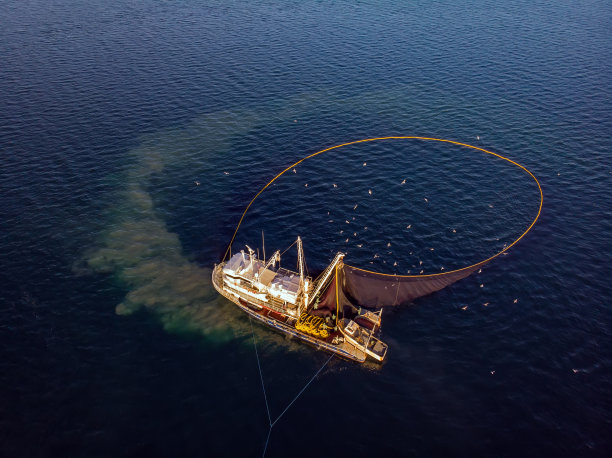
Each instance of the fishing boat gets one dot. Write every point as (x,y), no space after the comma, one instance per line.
(292,303)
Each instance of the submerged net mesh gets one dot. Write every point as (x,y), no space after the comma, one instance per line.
(352,288)
(374,290)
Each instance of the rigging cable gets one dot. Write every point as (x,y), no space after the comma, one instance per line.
(270,422)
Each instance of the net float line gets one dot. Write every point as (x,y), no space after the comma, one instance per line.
(441,140)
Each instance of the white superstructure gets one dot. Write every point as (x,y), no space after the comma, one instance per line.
(277,288)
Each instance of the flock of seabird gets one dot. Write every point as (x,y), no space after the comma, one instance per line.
(376,256)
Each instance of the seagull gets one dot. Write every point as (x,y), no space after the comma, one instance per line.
(490,205)
(482,285)
(395,264)
(295,120)
(331,220)
(409,226)
(370,191)
(227,173)
(294,171)
(354,234)
(454,230)
(464,307)
(360,245)
(355,207)
(404,181)
(442,268)
(431,249)
(347,221)
(515,301)
(485,304)
(341,232)
(346,241)
(425,198)
(421,272)
(365,228)
(492,372)
(477,137)
(575,371)
(365,163)
(388,244)
(479,271)
(335,185)
(197,183)
(306,185)
(375,256)
(420,263)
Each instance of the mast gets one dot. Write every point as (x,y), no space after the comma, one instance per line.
(300,259)
(275,257)
(304,285)
(251,252)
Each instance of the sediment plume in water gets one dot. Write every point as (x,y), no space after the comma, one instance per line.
(145,257)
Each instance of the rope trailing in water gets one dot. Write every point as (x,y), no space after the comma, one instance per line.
(303,389)
(263,387)
(406,138)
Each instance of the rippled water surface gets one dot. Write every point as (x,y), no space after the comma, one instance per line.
(133,135)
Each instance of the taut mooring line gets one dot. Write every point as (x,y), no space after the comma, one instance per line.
(263,387)
(303,389)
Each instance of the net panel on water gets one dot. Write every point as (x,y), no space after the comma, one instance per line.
(352,288)
(373,290)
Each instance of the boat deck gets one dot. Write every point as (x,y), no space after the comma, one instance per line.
(281,322)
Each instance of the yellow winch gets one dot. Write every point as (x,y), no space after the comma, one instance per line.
(313,325)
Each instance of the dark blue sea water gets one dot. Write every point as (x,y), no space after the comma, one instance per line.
(114,343)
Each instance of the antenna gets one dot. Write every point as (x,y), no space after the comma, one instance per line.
(263,246)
